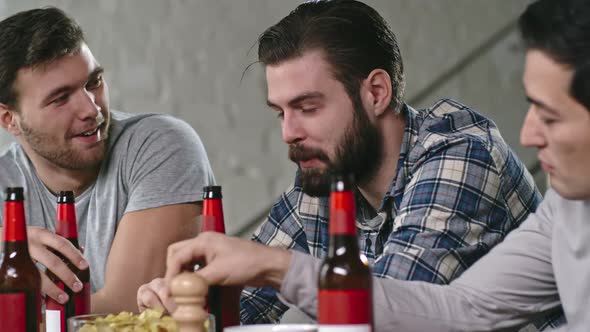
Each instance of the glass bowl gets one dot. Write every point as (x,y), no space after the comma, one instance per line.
(96,323)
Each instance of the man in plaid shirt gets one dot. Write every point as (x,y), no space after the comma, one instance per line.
(437,188)
(457,191)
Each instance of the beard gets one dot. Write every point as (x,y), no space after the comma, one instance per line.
(359,152)
(48,147)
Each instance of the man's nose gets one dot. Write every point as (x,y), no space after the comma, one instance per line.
(88,107)
(531,133)
(291,127)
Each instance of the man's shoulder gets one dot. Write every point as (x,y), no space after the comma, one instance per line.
(449,118)
(11,156)
(132,131)
(14,165)
(8,153)
(449,123)
(147,121)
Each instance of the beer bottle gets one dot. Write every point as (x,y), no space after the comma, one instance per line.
(78,303)
(345,298)
(20,280)
(223,301)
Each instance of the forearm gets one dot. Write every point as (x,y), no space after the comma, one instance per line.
(99,303)
(504,289)
(419,306)
(404,306)
(276,266)
(105,301)
(299,286)
(138,253)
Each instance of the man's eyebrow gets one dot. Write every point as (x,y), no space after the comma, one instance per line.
(97,71)
(541,104)
(300,98)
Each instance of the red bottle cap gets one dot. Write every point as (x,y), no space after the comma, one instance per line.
(15,227)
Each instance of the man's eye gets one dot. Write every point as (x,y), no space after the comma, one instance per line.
(62,99)
(94,83)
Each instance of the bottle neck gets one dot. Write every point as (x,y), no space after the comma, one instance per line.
(342,213)
(212,219)
(66,221)
(13,250)
(15,227)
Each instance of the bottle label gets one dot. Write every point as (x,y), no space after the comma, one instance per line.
(13,312)
(342,223)
(53,321)
(82,300)
(55,313)
(66,221)
(345,307)
(212,218)
(208,224)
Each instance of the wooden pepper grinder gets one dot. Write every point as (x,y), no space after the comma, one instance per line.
(189,292)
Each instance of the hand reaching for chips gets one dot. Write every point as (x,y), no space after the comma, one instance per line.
(189,292)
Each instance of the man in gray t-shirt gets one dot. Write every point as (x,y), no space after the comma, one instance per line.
(137,179)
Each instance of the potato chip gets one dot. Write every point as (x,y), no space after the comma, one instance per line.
(148,321)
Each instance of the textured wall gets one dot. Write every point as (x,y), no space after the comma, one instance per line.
(187,58)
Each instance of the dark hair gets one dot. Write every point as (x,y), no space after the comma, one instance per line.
(353,36)
(33,39)
(561,29)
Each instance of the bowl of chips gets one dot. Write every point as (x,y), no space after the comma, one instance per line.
(150,320)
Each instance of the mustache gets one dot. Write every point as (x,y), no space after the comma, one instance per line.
(299,153)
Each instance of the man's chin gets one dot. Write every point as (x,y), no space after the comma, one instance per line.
(87,159)
(315,185)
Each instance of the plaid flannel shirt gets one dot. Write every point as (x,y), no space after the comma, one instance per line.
(458,191)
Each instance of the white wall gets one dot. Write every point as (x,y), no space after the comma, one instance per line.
(187,58)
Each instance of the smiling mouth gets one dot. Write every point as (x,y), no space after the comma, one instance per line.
(90,133)
(95,131)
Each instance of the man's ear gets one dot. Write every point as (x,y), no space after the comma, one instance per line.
(377,91)
(9,119)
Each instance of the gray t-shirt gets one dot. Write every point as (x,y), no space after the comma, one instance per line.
(152,160)
(540,265)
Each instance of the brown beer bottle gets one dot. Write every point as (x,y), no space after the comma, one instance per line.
(78,303)
(345,295)
(223,302)
(20,280)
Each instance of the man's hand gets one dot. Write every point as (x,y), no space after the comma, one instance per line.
(230,260)
(155,294)
(40,241)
